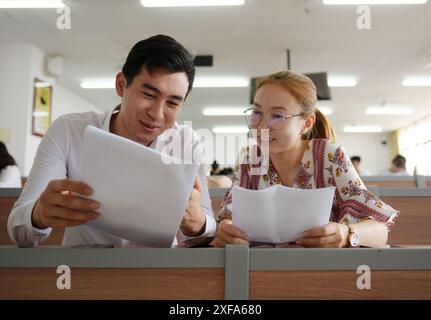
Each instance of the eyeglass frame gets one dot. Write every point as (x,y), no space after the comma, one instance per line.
(266,118)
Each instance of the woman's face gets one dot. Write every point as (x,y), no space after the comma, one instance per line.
(273,102)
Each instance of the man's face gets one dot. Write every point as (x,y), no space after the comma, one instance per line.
(150,104)
(356,164)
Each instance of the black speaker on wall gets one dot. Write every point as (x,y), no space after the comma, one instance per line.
(203,61)
(320,80)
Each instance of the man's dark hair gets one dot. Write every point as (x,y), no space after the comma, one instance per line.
(399,161)
(355,158)
(226,171)
(159,51)
(215,165)
(5,158)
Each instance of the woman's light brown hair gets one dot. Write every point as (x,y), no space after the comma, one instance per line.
(304,91)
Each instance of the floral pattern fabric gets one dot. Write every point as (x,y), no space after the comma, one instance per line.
(323,164)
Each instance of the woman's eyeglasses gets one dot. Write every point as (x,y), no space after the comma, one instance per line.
(274,119)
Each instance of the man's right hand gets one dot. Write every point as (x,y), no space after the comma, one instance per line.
(61,206)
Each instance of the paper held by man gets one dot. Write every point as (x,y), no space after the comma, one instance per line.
(280,214)
(142,198)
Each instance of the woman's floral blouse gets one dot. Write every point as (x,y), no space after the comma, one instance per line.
(324,164)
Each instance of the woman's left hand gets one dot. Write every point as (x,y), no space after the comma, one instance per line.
(332,235)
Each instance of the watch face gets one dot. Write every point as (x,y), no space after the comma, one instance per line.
(354,239)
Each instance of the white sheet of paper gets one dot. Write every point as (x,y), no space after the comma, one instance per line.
(280,214)
(142,199)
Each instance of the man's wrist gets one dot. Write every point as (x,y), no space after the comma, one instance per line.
(189,232)
(224,220)
(35,218)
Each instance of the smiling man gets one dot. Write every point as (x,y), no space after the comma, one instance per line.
(153,85)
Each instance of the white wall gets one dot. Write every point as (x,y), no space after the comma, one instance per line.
(19,65)
(375,156)
(36,71)
(65,101)
(14,97)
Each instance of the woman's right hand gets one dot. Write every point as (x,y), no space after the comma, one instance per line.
(227,233)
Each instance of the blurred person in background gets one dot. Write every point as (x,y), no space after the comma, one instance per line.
(10,176)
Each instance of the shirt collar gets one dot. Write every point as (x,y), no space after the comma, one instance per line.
(108,116)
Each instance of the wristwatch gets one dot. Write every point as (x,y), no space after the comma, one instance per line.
(353,239)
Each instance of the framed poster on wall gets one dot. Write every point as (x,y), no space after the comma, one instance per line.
(42,106)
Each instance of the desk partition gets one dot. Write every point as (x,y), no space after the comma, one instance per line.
(236,272)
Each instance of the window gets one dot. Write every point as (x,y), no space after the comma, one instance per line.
(414,142)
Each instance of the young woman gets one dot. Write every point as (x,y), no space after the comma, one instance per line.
(10,176)
(303,154)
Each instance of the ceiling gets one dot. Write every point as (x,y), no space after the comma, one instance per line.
(248,40)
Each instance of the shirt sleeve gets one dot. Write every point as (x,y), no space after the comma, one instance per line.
(49,164)
(210,223)
(226,207)
(193,150)
(354,201)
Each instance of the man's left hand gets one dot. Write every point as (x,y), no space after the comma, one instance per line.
(194,220)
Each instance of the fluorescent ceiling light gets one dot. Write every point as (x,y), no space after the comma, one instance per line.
(342,82)
(389,110)
(417,82)
(371,2)
(98,84)
(202,82)
(41,113)
(233,129)
(31,4)
(42,84)
(191,3)
(325,110)
(224,111)
(220,82)
(362,129)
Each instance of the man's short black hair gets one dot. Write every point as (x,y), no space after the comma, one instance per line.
(355,158)
(159,51)
(5,158)
(399,161)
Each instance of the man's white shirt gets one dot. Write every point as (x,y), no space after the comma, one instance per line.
(58,157)
(10,177)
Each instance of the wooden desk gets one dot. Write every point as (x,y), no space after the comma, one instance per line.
(390,182)
(237,272)
(397,181)
(412,226)
(7,199)
(114,284)
(9,196)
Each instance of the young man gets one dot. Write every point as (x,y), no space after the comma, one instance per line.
(398,167)
(153,85)
(356,161)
